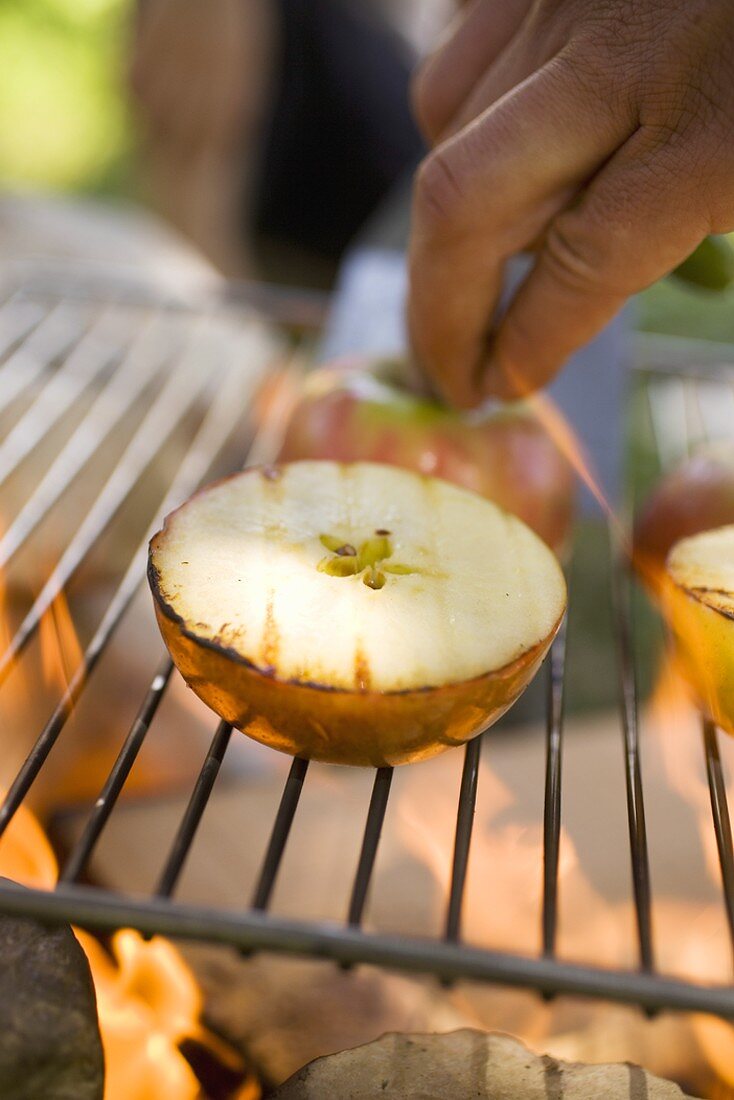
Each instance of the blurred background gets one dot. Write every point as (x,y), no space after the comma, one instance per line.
(257,128)
(266,132)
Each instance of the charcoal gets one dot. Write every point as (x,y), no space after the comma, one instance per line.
(50,1045)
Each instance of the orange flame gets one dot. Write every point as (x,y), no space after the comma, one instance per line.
(148,1002)
(61,653)
(675,723)
(555,423)
(20,685)
(26,855)
(147,998)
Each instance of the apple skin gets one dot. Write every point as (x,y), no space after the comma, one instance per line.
(704,644)
(358,410)
(698,604)
(696,496)
(368,729)
(355,726)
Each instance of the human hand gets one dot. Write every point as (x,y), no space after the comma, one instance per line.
(600,132)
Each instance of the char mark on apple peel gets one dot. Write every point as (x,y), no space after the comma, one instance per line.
(699,594)
(271,637)
(553,1077)
(362,671)
(273,479)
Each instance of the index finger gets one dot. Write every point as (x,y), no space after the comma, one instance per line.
(473,41)
(482,197)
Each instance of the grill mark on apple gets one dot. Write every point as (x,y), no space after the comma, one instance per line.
(271,473)
(362,670)
(272,481)
(699,594)
(638,1083)
(553,1078)
(479,1061)
(271,636)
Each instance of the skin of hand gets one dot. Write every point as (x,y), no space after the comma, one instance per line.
(599,133)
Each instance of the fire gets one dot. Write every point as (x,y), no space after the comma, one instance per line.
(26,855)
(510,855)
(61,653)
(147,998)
(675,723)
(20,684)
(504,896)
(148,1002)
(558,428)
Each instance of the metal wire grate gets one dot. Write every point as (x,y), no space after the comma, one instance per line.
(173,360)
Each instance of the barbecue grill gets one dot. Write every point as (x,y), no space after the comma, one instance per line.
(58,340)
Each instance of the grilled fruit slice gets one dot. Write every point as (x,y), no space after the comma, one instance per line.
(697,495)
(353,613)
(700,608)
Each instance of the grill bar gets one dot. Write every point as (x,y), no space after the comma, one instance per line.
(56,333)
(168,411)
(279,836)
(632,767)
(58,353)
(17,318)
(223,415)
(722,820)
(194,811)
(136,373)
(122,767)
(89,359)
(370,841)
(462,839)
(553,784)
(258,931)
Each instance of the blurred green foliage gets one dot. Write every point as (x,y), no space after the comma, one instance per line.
(63,112)
(678,309)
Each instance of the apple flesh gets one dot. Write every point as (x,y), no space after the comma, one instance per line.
(353,613)
(699,605)
(363,412)
(696,496)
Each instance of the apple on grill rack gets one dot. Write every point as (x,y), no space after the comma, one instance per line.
(354,613)
(362,410)
(695,496)
(699,605)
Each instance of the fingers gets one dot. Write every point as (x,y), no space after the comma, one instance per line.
(525,54)
(637,220)
(478,35)
(483,196)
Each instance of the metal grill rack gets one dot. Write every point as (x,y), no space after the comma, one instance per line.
(62,343)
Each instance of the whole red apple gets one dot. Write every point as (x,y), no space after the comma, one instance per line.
(696,496)
(355,411)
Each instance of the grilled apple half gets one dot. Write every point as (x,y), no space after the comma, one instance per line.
(353,612)
(700,609)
